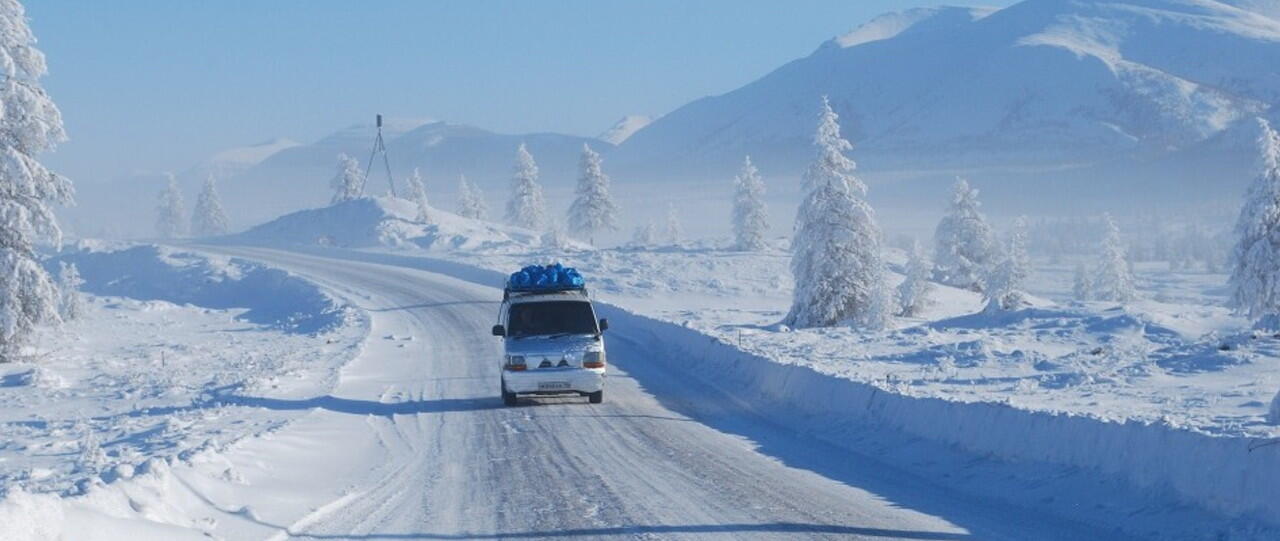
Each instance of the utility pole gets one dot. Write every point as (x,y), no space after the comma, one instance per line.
(379,146)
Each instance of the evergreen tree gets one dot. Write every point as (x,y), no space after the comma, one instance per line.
(915,290)
(1255,265)
(418,192)
(750,217)
(1082,286)
(209,220)
(673,230)
(1113,280)
(593,210)
(171,211)
(554,238)
(348,182)
(836,259)
(471,200)
(645,235)
(964,245)
(30,124)
(1007,279)
(70,303)
(526,208)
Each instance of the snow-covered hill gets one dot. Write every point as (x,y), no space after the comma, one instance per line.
(1041,84)
(624,128)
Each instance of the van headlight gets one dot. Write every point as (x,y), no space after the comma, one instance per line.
(515,362)
(593,359)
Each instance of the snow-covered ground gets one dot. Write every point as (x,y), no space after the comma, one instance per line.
(131,382)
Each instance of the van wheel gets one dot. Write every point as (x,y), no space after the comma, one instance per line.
(596,397)
(508,399)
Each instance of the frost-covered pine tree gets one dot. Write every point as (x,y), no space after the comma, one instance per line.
(347,183)
(836,259)
(208,219)
(30,125)
(418,192)
(593,210)
(964,247)
(471,200)
(1006,280)
(70,303)
(915,290)
(645,235)
(1255,265)
(526,208)
(673,231)
(554,238)
(750,217)
(171,211)
(1112,279)
(1082,284)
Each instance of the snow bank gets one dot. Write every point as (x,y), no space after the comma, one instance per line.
(385,221)
(1234,476)
(272,296)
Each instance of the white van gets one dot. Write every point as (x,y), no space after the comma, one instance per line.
(552,344)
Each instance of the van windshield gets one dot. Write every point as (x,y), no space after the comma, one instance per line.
(550,318)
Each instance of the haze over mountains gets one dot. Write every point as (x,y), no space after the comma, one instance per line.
(1070,97)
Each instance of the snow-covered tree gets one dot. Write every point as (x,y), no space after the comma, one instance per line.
(965,248)
(593,210)
(673,231)
(1255,266)
(1005,282)
(1082,284)
(347,183)
(750,217)
(554,238)
(471,200)
(915,289)
(418,193)
(70,303)
(526,208)
(30,124)
(645,235)
(836,258)
(208,219)
(171,211)
(1112,279)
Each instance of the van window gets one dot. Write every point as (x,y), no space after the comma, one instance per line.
(551,317)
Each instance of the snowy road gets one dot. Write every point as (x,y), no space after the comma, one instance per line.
(415,444)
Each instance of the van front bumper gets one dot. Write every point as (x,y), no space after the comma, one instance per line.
(554,380)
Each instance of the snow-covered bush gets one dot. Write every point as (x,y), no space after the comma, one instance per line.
(1255,268)
(209,219)
(965,248)
(31,124)
(171,211)
(750,217)
(348,183)
(526,207)
(836,259)
(70,303)
(915,289)
(674,232)
(1113,281)
(645,235)
(471,200)
(418,193)
(593,210)
(554,238)
(1082,284)
(1005,281)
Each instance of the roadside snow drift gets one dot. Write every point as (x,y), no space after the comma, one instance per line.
(385,221)
(271,296)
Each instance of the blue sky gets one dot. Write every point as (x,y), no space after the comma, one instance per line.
(148,85)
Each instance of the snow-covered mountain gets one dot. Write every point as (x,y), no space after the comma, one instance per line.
(1040,85)
(624,128)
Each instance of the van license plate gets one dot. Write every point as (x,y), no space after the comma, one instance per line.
(553,385)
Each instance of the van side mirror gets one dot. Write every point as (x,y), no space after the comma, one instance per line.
(604,324)
(498,330)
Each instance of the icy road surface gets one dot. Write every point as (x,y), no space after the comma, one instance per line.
(415,444)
